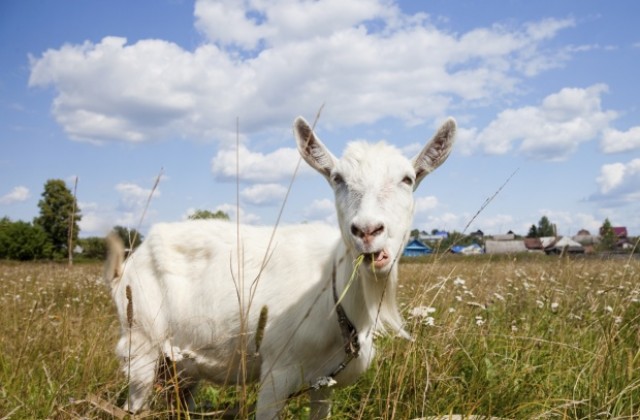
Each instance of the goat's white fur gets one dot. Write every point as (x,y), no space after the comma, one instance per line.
(187,284)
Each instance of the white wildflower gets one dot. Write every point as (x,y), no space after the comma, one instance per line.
(608,309)
(479,321)
(429,321)
(540,304)
(617,320)
(459,282)
(421,311)
(499,297)
(554,307)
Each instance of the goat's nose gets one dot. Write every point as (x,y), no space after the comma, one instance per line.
(367,233)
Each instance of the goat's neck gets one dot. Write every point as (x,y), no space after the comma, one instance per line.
(370,299)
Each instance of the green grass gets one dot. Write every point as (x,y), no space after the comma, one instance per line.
(508,337)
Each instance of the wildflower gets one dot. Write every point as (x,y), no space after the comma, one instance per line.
(617,320)
(514,327)
(429,321)
(554,307)
(479,321)
(459,282)
(421,311)
(499,296)
(608,309)
(540,304)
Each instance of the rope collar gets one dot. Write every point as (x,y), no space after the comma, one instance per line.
(350,342)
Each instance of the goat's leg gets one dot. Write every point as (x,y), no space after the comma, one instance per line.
(273,394)
(139,364)
(141,371)
(320,403)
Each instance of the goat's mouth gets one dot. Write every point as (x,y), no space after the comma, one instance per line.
(378,259)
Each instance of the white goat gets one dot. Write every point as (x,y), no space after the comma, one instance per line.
(196,290)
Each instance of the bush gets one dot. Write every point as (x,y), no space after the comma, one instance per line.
(23,241)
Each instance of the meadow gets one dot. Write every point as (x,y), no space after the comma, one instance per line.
(512,337)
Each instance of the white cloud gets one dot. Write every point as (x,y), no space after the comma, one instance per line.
(16,195)
(568,223)
(619,182)
(96,220)
(321,210)
(425,204)
(247,23)
(614,141)
(447,221)
(133,196)
(495,224)
(232,211)
(551,131)
(365,59)
(276,166)
(611,176)
(263,194)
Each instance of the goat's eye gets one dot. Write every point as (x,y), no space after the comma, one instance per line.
(408,180)
(337,179)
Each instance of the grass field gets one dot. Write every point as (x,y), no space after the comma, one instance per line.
(521,337)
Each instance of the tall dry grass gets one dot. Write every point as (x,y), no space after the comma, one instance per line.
(510,337)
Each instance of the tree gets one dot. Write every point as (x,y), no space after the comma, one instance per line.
(206,214)
(533,232)
(415,234)
(608,238)
(56,207)
(93,248)
(131,238)
(23,241)
(545,228)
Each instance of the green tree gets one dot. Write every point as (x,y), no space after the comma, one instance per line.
(56,207)
(608,238)
(130,237)
(93,248)
(533,232)
(415,233)
(206,214)
(23,241)
(545,228)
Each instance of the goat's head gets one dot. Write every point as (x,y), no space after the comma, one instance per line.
(373,186)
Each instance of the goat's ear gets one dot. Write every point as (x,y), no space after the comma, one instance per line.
(436,151)
(312,149)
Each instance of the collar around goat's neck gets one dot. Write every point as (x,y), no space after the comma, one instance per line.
(347,329)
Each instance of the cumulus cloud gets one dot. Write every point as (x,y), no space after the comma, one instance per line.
(276,166)
(424,204)
(16,195)
(96,219)
(269,61)
(133,196)
(321,210)
(614,141)
(99,219)
(568,223)
(263,194)
(619,182)
(232,211)
(551,131)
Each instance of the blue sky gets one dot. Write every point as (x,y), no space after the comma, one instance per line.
(116,92)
